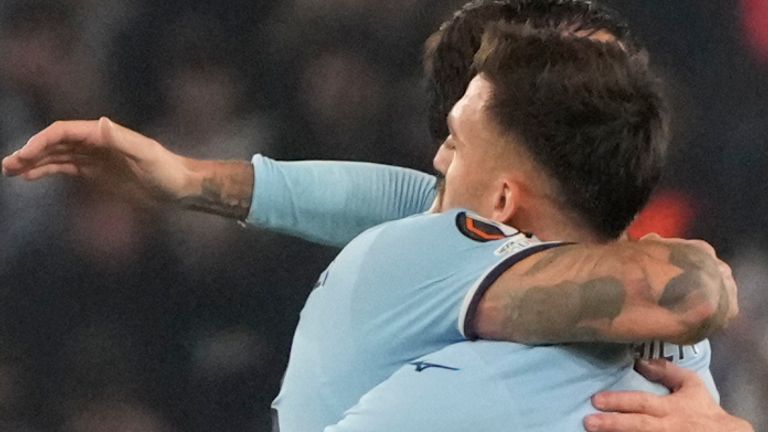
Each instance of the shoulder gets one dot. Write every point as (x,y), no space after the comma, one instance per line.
(459,224)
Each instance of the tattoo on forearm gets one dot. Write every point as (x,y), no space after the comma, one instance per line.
(677,291)
(689,290)
(585,311)
(226,190)
(567,311)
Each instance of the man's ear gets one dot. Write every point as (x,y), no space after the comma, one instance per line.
(506,200)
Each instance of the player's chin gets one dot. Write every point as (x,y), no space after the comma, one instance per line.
(438,205)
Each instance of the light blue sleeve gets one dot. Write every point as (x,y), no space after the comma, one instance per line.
(332,202)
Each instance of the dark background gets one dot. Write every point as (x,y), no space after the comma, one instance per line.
(116,316)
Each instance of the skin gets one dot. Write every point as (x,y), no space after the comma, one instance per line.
(109,153)
(690,407)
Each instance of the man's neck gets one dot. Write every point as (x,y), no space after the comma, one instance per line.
(548,224)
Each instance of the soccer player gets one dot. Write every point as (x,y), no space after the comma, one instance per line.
(494,386)
(87,147)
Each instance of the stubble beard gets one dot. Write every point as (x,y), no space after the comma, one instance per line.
(437,206)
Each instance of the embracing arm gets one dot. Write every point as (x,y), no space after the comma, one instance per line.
(628,291)
(326,202)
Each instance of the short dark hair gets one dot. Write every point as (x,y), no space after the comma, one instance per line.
(589,113)
(450,50)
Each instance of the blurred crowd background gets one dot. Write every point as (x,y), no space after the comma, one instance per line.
(120,316)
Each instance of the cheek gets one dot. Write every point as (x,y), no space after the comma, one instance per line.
(456,181)
(468,182)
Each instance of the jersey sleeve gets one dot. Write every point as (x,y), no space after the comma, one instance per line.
(332,202)
(517,248)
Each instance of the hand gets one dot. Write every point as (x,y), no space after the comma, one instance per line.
(689,408)
(103,150)
(730,290)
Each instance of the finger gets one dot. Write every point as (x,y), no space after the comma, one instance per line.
(64,148)
(706,247)
(733,298)
(724,268)
(651,236)
(668,374)
(70,169)
(623,423)
(630,402)
(60,148)
(731,291)
(14,168)
(62,159)
(83,132)
(10,164)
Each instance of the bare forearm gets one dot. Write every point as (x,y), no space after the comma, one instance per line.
(224,188)
(625,292)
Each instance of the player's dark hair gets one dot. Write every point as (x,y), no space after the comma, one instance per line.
(450,50)
(589,113)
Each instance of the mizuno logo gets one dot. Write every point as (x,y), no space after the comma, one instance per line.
(421,365)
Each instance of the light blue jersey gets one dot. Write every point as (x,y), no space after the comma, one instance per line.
(332,202)
(499,387)
(496,387)
(397,292)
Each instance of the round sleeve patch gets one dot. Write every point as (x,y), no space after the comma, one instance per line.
(482,230)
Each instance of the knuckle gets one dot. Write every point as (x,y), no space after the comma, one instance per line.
(708,248)
(643,404)
(647,424)
(725,269)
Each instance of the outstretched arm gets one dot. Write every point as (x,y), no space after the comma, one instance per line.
(326,202)
(627,291)
(689,408)
(118,157)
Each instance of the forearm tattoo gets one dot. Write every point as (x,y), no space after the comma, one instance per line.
(688,290)
(583,311)
(566,311)
(226,190)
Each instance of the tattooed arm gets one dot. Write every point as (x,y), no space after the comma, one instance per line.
(628,291)
(118,157)
(224,188)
